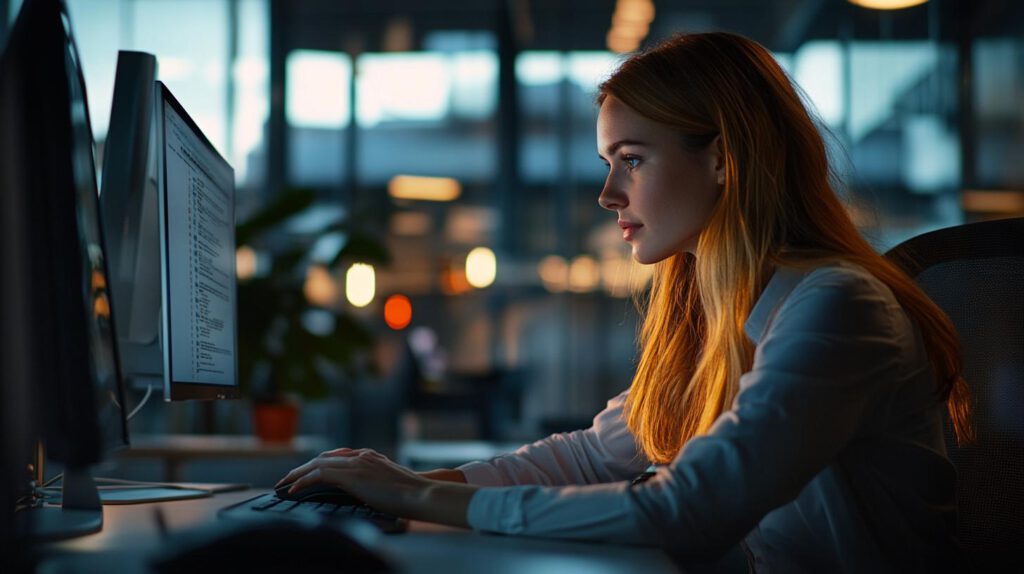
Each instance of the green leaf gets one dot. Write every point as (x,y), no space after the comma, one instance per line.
(284,264)
(362,248)
(285,205)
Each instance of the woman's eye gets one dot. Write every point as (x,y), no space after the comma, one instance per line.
(631,161)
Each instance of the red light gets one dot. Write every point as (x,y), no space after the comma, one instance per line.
(398,312)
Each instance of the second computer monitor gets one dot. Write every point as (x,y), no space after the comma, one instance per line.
(197,254)
(128,201)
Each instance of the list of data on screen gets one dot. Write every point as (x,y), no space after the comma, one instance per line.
(200,257)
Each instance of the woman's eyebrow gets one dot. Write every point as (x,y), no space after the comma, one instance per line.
(610,150)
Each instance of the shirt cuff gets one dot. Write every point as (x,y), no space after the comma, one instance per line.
(496,510)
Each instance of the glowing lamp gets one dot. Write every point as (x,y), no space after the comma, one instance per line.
(397,312)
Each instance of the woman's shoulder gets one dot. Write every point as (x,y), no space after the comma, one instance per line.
(843,278)
(844,293)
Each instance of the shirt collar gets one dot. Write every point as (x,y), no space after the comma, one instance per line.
(782,282)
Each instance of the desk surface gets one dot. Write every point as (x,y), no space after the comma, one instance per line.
(219,446)
(177,450)
(130,533)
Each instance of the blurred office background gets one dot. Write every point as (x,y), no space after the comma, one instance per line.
(519,285)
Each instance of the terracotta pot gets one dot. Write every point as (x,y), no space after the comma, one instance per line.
(275,421)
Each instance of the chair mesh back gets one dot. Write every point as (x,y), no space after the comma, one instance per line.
(975,273)
(984,300)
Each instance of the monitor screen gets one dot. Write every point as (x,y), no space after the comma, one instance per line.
(197,201)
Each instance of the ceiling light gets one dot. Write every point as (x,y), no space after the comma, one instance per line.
(887,4)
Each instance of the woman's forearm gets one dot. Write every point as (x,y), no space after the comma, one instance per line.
(445,474)
(441,502)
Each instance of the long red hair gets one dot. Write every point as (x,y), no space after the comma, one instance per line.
(778,206)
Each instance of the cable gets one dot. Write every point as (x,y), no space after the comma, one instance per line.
(149,391)
(138,407)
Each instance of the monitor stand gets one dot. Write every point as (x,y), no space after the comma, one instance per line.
(126,492)
(81,506)
(137,494)
(79,514)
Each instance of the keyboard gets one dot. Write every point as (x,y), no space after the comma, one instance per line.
(270,506)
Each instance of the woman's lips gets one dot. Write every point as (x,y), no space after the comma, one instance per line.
(629,229)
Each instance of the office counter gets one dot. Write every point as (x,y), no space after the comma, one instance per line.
(131,533)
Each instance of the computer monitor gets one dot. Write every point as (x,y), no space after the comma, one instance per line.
(197,259)
(168,203)
(128,202)
(67,380)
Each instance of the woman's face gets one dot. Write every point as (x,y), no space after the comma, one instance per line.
(662,193)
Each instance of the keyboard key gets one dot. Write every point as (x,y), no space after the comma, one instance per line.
(282,507)
(269,506)
(265,504)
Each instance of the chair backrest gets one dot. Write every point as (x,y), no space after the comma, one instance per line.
(975,273)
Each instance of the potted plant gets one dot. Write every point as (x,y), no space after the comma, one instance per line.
(289,346)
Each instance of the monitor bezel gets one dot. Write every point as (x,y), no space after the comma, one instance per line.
(175,390)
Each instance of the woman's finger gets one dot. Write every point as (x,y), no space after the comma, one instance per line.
(298,471)
(306,480)
(326,472)
(343,451)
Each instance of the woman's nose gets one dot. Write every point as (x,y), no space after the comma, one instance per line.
(611,198)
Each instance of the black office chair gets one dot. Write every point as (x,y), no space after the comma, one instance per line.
(975,273)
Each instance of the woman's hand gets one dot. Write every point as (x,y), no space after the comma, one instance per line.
(388,487)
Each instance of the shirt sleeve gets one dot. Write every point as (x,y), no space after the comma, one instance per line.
(605,452)
(816,373)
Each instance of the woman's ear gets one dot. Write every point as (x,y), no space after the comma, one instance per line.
(718,159)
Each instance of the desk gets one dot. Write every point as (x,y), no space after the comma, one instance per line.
(176,450)
(130,533)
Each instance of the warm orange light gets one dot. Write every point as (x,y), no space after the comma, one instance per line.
(101,307)
(320,288)
(454,282)
(584,274)
(245,262)
(424,188)
(630,23)
(634,11)
(410,223)
(397,312)
(98,280)
(621,44)
(554,273)
(993,201)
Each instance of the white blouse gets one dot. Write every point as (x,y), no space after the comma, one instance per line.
(830,459)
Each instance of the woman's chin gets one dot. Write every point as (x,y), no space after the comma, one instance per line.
(644,258)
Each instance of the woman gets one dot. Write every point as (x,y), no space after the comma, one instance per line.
(791,381)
